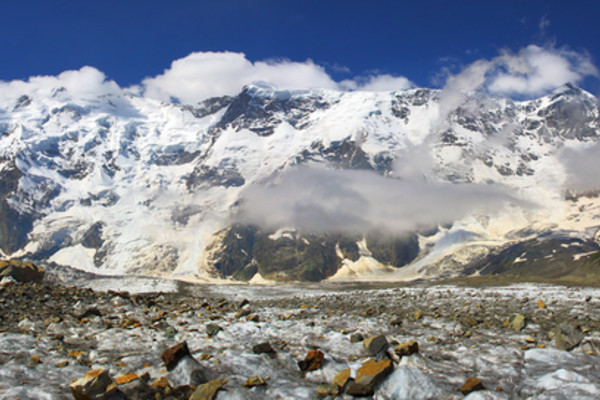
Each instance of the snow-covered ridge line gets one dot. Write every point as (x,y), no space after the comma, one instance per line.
(121,184)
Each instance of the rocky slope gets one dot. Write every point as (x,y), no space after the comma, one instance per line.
(247,342)
(121,184)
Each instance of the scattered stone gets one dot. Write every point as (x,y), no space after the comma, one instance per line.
(170,332)
(244,303)
(396,321)
(172,355)
(407,349)
(566,337)
(264,347)
(205,357)
(95,385)
(342,377)
(358,389)
(312,361)
(471,385)
(35,359)
(375,344)
(356,337)
(418,315)
(254,381)
(328,390)
(373,372)
(253,318)
(62,364)
(541,305)
(518,323)
(213,329)
(89,312)
(208,391)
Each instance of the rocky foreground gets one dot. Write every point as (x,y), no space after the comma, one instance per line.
(243,342)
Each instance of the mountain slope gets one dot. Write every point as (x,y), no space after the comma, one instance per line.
(123,184)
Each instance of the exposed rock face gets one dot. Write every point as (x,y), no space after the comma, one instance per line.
(246,250)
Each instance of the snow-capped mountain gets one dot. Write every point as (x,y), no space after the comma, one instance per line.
(122,184)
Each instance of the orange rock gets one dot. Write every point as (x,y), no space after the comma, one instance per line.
(123,379)
(161,383)
(471,385)
(372,372)
(312,361)
(172,355)
(541,304)
(342,377)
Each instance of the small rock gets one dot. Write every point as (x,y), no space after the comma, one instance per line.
(213,329)
(541,305)
(566,337)
(264,347)
(328,390)
(518,323)
(372,372)
(208,391)
(358,389)
(312,361)
(244,303)
(375,344)
(407,349)
(396,321)
(471,385)
(170,332)
(61,364)
(254,381)
(35,359)
(172,355)
(418,315)
(96,384)
(341,378)
(356,337)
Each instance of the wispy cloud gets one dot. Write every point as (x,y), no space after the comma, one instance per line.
(324,200)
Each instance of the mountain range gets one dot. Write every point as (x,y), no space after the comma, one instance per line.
(279,185)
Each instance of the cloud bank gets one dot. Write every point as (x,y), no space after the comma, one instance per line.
(324,200)
(581,168)
(87,81)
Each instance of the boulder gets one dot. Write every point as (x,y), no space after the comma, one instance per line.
(172,355)
(518,323)
(566,337)
(373,372)
(342,377)
(95,385)
(312,361)
(375,344)
(471,385)
(407,349)
(328,390)
(254,381)
(263,348)
(208,391)
(356,337)
(358,389)
(21,271)
(213,329)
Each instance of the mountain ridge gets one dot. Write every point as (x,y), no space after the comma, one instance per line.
(121,184)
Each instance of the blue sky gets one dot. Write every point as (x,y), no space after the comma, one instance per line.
(423,41)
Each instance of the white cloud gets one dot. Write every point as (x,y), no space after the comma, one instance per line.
(323,200)
(536,70)
(87,81)
(377,83)
(581,167)
(208,74)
